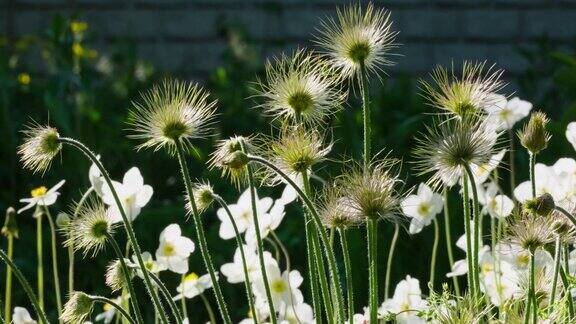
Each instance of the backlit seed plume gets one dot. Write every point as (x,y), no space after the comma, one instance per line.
(300,88)
(90,230)
(361,38)
(445,148)
(115,277)
(531,232)
(203,197)
(467,92)
(335,210)
(78,308)
(228,157)
(295,151)
(40,146)
(169,112)
(373,192)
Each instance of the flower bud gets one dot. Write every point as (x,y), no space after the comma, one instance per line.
(534,136)
(10,227)
(62,220)
(542,205)
(236,160)
(78,308)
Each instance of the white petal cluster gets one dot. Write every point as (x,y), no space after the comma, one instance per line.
(422,207)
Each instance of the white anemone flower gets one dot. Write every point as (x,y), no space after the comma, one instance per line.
(547,181)
(149,263)
(519,258)
(193,286)
(297,314)
(502,285)
(482,172)
(96,179)
(505,113)
(283,288)
(133,195)
(571,133)
(422,207)
(174,249)
(234,271)
(406,302)
(42,197)
(22,316)
(242,214)
(266,223)
(497,206)
(289,194)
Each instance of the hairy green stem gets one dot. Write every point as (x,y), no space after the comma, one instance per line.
(118,308)
(208,309)
(8,293)
(530,301)
(389,260)
(348,271)
(183,301)
(362,82)
(164,291)
(448,234)
(312,273)
(566,285)
(434,253)
(468,233)
(372,227)
(26,286)
(200,235)
(477,228)
(332,266)
(40,257)
(557,261)
(532,175)
(126,222)
(54,262)
(240,244)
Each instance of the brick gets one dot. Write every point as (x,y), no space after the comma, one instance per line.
(184,56)
(557,24)
(134,23)
(491,24)
(430,23)
(303,23)
(415,57)
(506,57)
(446,54)
(191,23)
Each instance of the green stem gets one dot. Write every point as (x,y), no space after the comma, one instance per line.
(240,244)
(127,277)
(183,301)
(530,301)
(201,237)
(54,263)
(362,82)
(8,295)
(312,273)
(208,309)
(164,291)
(389,261)
(557,260)
(71,246)
(110,302)
(447,232)
(532,175)
(40,257)
(332,266)
(26,286)
(348,271)
(467,232)
(477,228)
(373,267)
(434,252)
(259,240)
(126,222)
(566,285)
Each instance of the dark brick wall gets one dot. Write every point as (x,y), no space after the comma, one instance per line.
(183,36)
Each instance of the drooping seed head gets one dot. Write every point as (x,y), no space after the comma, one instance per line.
(542,205)
(335,211)
(171,111)
(78,308)
(90,231)
(531,232)
(203,197)
(115,277)
(41,145)
(230,158)
(300,88)
(464,94)
(534,136)
(360,38)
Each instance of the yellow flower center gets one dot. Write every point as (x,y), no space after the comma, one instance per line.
(107,307)
(24,78)
(423,209)
(38,192)
(77,49)
(404,307)
(169,250)
(279,286)
(523,259)
(190,277)
(486,267)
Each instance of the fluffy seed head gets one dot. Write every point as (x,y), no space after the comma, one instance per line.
(372,193)
(203,197)
(542,205)
(41,145)
(78,308)
(534,136)
(90,230)
(169,112)
(361,38)
(115,277)
(531,232)
(450,145)
(301,88)
(466,93)
(335,211)
(229,158)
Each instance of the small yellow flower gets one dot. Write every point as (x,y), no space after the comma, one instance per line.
(38,192)
(24,79)
(78,27)
(191,276)
(77,49)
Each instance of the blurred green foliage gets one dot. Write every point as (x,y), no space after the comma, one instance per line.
(57,77)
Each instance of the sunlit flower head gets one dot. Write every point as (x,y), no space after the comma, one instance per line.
(42,196)
(22,316)
(447,147)
(90,230)
(149,263)
(203,196)
(372,192)
(169,112)
(192,286)
(335,211)
(41,145)
(360,38)
(406,302)
(534,136)
(115,277)
(228,157)
(530,232)
(468,92)
(421,207)
(174,249)
(302,88)
(78,308)
(133,195)
(505,113)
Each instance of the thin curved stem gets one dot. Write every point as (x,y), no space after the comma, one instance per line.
(468,233)
(366,113)
(389,261)
(118,308)
(183,301)
(240,244)
(126,222)
(164,291)
(26,286)
(40,258)
(348,271)
(332,266)
(448,234)
(54,263)
(208,309)
(477,228)
(532,175)
(372,228)
(71,246)
(566,285)
(434,253)
(312,273)
(557,261)
(567,214)
(127,277)
(206,257)
(8,293)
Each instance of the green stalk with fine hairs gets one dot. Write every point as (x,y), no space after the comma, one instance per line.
(206,257)
(366,113)
(127,277)
(448,234)
(557,261)
(118,308)
(434,253)
(389,261)
(318,260)
(477,228)
(26,286)
(39,257)
(566,285)
(8,293)
(348,271)
(164,291)
(183,301)
(532,175)
(372,229)
(125,221)
(332,266)
(312,273)
(531,312)
(467,232)
(71,246)
(54,262)
(208,309)
(240,244)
